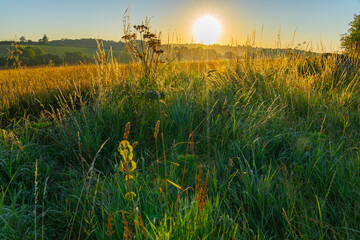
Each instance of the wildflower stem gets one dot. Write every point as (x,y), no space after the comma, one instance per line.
(163,143)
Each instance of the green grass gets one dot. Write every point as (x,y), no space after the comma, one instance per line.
(280,146)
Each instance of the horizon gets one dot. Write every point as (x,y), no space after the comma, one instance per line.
(121,41)
(279,24)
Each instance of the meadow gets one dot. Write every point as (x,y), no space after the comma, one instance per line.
(253,149)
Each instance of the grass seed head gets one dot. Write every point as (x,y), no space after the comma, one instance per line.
(156,129)
(127,130)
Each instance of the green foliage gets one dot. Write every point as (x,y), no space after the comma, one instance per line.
(44,39)
(75,57)
(350,41)
(20,55)
(22,39)
(57,54)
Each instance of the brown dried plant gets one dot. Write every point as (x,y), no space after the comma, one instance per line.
(127,232)
(145,47)
(201,191)
(142,225)
(110,224)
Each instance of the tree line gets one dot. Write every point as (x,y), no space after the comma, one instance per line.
(64,42)
(20,55)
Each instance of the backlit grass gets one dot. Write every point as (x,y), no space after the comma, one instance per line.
(254,150)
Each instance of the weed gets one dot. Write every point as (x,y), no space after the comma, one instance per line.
(145,46)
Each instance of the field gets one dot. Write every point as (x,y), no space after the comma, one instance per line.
(265,149)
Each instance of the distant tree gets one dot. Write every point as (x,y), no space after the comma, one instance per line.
(31,56)
(54,59)
(74,57)
(22,39)
(350,41)
(29,52)
(44,39)
(38,51)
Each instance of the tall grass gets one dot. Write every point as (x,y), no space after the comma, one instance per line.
(258,149)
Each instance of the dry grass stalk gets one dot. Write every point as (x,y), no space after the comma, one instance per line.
(201,190)
(127,232)
(110,224)
(142,225)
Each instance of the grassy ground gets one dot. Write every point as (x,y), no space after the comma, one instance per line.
(254,150)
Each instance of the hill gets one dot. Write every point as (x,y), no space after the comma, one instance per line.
(191,51)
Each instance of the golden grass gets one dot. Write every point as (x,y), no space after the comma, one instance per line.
(26,84)
(29,84)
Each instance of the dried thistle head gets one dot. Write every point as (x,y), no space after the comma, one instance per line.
(141,28)
(129,37)
(149,35)
(154,44)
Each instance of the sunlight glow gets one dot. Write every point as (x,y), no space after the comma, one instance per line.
(207,30)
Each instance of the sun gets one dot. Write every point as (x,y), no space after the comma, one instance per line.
(207,30)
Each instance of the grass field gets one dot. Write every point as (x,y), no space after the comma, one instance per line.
(254,150)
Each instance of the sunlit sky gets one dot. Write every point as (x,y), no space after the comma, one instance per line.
(320,22)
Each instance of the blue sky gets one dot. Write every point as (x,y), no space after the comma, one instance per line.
(320,22)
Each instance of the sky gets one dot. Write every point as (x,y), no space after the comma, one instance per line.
(265,23)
